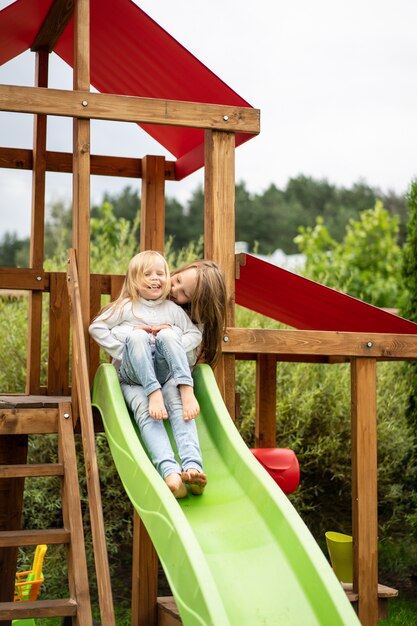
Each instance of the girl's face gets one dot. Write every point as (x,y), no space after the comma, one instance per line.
(153,280)
(183,286)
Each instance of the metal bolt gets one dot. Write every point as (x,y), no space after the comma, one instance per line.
(225,338)
(66,416)
(84,103)
(225,117)
(369,344)
(38,277)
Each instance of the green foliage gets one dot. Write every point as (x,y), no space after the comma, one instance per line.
(270,218)
(409,310)
(366,264)
(13,343)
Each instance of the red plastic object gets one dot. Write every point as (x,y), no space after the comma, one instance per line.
(282,465)
(306,305)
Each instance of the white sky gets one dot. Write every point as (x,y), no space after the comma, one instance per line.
(335,81)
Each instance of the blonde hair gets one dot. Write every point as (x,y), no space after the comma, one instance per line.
(136,270)
(208,306)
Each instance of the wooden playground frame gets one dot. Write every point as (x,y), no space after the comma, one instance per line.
(43,407)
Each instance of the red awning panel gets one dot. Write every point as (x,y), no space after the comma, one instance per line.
(306,305)
(130,55)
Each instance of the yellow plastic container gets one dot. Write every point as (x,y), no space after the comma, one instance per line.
(340,550)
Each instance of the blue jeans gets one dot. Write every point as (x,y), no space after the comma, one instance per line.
(154,434)
(150,361)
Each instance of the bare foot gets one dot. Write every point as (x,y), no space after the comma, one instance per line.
(176,485)
(190,406)
(195,481)
(157,408)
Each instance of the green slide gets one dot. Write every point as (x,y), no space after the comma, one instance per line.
(239,554)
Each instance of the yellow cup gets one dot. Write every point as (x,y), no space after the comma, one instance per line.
(340,550)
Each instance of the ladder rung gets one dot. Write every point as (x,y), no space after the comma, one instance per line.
(34,469)
(13,538)
(38,608)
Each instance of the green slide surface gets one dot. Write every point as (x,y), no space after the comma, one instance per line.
(238,555)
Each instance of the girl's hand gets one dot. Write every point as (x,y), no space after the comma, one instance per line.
(155,329)
(147,329)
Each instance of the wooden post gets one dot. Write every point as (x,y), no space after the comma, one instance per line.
(81,158)
(37,231)
(266,400)
(144,557)
(144,576)
(219,236)
(364,488)
(152,220)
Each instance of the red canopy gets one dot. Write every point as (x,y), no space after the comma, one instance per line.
(130,55)
(306,305)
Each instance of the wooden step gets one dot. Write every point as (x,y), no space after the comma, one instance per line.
(34,469)
(15,538)
(38,608)
(384,594)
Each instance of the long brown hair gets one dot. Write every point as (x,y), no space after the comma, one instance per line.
(208,306)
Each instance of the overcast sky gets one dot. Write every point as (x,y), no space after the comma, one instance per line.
(336,83)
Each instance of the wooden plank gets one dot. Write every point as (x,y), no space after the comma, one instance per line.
(31,421)
(364,489)
(266,401)
(116,284)
(59,336)
(101,165)
(10,538)
(54,24)
(39,608)
(34,469)
(168,614)
(219,236)
(16,278)
(128,109)
(13,449)
(144,576)
(80,372)
(37,231)
(312,342)
(95,305)
(152,217)
(71,512)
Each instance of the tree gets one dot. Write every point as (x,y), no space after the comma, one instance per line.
(366,264)
(408,306)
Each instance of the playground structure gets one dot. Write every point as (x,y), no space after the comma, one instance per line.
(198,131)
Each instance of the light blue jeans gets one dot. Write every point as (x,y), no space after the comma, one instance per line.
(150,361)
(154,434)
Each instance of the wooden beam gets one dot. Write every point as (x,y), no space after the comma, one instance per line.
(144,576)
(102,106)
(36,254)
(364,489)
(81,163)
(80,374)
(30,421)
(266,401)
(152,216)
(124,167)
(219,236)
(54,25)
(327,343)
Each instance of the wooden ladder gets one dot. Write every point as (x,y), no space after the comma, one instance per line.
(77,606)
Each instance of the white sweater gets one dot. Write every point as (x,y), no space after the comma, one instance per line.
(112,327)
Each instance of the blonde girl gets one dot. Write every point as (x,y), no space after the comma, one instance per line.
(155,342)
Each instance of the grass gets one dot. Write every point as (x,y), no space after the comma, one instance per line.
(401,612)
